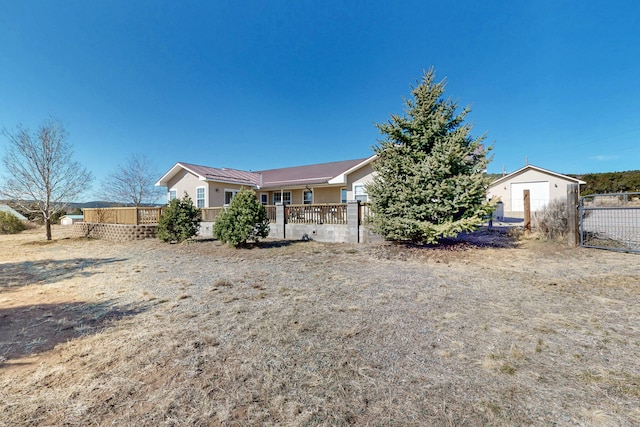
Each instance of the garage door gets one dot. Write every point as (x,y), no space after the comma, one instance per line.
(538,193)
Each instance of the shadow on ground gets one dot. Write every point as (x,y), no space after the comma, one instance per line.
(487,238)
(269,243)
(482,238)
(24,273)
(32,329)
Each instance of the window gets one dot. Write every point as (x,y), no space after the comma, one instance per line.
(173,194)
(264,198)
(286,197)
(307,197)
(200,197)
(343,195)
(228,195)
(360,193)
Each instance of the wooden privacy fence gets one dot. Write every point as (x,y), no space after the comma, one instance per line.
(128,216)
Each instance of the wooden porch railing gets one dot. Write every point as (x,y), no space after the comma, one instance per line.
(271,213)
(294,214)
(210,214)
(365,215)
(316,214)
(123,215)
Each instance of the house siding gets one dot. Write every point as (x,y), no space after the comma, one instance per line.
(364,175)
(216,192)
(326,195)
(296,196)
(184,182)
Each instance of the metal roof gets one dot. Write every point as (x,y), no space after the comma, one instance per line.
(320,173)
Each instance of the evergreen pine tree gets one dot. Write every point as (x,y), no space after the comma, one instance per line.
(245,219)
(179,220)
(430,180)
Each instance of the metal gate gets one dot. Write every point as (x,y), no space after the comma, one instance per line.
(610,221)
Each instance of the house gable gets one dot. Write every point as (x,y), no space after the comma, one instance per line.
(342,178)
(529,168)
(205,173)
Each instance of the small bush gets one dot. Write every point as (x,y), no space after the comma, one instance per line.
(245,219)
(179,221)
(552,221)
(10,224)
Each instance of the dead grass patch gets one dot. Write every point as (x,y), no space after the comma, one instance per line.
(303,333)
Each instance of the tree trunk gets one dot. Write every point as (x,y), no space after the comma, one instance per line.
(47,226)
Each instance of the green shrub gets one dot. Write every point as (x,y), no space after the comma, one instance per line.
(179,221)
(10,224)
(245,219)
(552,221)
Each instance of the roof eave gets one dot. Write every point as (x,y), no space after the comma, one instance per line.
(522,169)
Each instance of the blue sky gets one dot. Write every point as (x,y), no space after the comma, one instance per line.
(266,84)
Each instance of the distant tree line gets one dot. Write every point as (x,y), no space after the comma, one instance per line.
(610,182)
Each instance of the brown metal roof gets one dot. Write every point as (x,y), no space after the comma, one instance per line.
(306,175)
(319,173)
(224,174)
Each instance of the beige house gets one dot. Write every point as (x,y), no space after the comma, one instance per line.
(334,182)
(543,185)
(8,209)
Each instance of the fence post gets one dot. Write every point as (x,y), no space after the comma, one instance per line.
(353,223)
(527,212)
(573,219)
(280,221)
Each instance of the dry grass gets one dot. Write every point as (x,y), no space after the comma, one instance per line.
(302,333)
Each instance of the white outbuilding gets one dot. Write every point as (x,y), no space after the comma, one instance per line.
(543,185)
(71,219)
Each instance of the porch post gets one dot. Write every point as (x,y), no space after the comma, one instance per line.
(280,221)
(353,221)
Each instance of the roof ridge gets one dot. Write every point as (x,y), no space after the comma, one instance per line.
(314,164)
(215,167)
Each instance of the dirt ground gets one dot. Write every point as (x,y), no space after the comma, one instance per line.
(486,330)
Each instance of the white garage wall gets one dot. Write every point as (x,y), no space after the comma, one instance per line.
(538,194)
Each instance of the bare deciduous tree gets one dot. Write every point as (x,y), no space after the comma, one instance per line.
(132,183)
(41,176)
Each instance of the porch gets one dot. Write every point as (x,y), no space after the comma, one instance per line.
(341,222)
